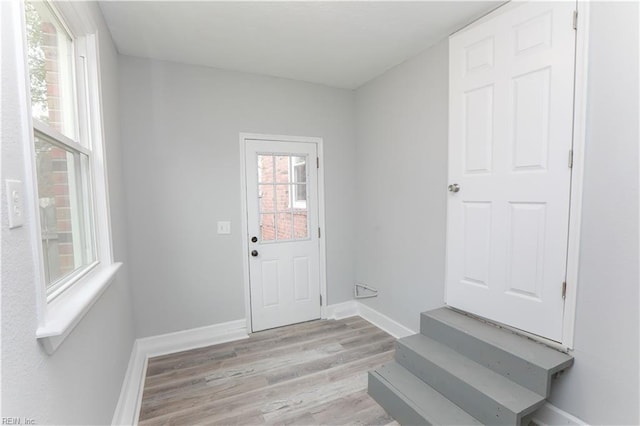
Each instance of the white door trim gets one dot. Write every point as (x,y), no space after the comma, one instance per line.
(577,174)
(244,137)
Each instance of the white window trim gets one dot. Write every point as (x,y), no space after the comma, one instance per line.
(56,319)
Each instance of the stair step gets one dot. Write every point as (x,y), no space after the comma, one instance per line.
(411,401)
(484,394)
(528,363)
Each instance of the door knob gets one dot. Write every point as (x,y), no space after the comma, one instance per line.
(254,253)
(454,187)
(254,239)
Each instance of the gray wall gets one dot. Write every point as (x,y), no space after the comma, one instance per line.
(180,127)
(401,146)
(402,173)
(80,383)
(602,386)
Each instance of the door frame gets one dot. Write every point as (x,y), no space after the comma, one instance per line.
(577,173)
(243,138)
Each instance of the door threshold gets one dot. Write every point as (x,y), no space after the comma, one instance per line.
(547,342)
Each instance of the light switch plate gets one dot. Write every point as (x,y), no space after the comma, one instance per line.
(224,227)
(15,203)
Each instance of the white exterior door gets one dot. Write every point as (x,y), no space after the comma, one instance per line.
(510,138)
(282,210)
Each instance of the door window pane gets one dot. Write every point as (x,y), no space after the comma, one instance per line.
(267,200)
(299,169)
(282,198)
(50,56)
(65,213)
(265,168)
(299,190)
(282,169)
(300,225)
(284,226)
(299,196)
(267,227)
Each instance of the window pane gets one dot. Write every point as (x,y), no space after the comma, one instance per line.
(267,203)
(50,53)
(65,215)
(283,202)
(299,169)
(300,196)
(284,226)
(300,225)
(282,169)
(265,168)
(267,227)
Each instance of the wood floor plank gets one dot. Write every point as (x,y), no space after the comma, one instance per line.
(187,371)
(201,392)
(304,374)
(269,338)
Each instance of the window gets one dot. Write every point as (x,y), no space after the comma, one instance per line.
(282,192)
(62,147)
(66,182)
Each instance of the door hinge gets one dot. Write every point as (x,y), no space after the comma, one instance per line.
(575,19)
(317,162)
(318,232)
(564,289)
(320,300)
(570,158)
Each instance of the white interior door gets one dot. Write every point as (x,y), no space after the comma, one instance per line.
(510,137)
(282,209)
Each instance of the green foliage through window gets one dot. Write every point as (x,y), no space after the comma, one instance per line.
(37,63)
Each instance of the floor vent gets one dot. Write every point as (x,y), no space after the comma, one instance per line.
(462,371)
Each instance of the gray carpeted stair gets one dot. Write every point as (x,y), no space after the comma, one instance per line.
(460,370)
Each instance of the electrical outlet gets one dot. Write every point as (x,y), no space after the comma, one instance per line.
(15,203)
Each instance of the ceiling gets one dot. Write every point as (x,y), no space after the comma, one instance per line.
(335,43)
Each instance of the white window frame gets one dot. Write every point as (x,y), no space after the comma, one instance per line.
(58,286)
(59,313)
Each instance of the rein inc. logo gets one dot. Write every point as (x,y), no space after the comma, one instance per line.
(18,421)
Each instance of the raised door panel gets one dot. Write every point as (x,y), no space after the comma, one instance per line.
(525,250)
(301,279)
(270,283)
(477,243)
(478,130)
(531,97)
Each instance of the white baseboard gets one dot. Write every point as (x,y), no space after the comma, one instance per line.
(126,412)
(340,310)
(383,322)
(354,307)
(550,415)
(128,406)
(163,344)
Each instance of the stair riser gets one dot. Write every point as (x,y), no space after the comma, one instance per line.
(395,404)
(460,393)
(508,365)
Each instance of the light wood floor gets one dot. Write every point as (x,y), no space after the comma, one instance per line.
(313,373)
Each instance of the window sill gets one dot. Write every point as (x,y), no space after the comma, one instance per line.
(66,311)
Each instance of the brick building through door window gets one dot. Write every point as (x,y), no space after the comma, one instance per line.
(282,192)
